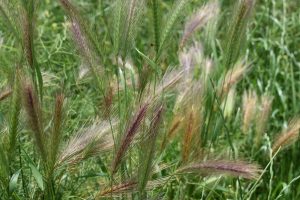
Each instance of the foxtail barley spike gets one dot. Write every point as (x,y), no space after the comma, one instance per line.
(55,137)
(231,168)
(27,39)
(147,162)
(199,19)
(234,75)
(288,136)
(118,189)
(35,119)
(262,118)
(249,108)
(188,135)
(15,113)
(129,136)
(237,31)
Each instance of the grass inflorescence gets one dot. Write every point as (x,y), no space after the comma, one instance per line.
(136,99)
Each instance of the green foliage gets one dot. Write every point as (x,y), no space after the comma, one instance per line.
(131,99)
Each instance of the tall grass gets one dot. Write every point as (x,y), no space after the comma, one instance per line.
(142,122)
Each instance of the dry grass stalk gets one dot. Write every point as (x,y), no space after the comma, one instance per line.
(288,136)
(231,168)
(199,19)
(5,94)
(249,108)
(129,136)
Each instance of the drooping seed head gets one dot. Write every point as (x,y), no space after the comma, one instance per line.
(288,136)
(199,19)
(224,167)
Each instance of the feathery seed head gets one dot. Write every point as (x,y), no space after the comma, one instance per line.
(199,19)
(262,118)
(34,114)
(191,58)
(27,38)
(87,143)
(235,75)
(249,109)
(129,135)
(119,189)
(288,136)
(231,168)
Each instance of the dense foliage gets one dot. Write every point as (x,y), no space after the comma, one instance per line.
(149,99)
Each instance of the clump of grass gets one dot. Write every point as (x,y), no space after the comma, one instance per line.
(192,106)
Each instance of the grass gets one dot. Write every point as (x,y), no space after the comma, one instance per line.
(149,99)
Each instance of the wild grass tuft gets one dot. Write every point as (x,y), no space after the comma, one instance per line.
(152,102)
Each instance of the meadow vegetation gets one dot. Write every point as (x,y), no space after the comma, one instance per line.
(149,99)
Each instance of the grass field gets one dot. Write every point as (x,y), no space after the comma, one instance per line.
(149,99)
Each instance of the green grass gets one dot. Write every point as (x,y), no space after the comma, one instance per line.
(139,137)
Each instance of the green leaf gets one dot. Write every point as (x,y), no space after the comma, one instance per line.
(37,176)
(152,64)
(13,183)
